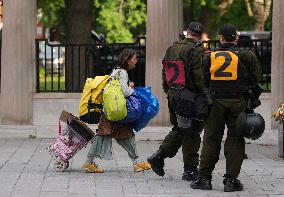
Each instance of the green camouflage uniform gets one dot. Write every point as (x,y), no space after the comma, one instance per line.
(225,111)
(191,52)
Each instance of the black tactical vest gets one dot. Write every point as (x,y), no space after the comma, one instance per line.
(228,74)
(176,66)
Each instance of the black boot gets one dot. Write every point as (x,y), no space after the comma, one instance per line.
(157,162)
(203,183)
(232,184)
(190,174)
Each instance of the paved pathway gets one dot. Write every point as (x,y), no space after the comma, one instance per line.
(26,170)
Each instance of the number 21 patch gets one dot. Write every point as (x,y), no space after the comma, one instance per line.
(224,65)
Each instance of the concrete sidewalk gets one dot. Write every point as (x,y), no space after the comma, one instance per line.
(148,133)
(26,170)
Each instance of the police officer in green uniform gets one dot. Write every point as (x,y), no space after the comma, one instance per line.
(229,70)
(183,61)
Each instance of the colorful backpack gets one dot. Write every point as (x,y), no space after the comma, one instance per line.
(114,101)
(92,98)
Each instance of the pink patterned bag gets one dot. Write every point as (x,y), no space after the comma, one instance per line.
(75,135)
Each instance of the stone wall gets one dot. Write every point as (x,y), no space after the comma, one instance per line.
(48,106)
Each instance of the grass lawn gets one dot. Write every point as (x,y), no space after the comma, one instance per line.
(57,82)
(267,87)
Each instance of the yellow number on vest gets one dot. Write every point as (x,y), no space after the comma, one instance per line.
(224,65)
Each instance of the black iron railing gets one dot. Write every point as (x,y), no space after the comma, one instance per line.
(65,67)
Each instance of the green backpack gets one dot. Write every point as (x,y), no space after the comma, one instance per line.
(114,101)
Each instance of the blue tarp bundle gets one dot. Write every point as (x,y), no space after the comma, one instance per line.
(134,109)
(150,107)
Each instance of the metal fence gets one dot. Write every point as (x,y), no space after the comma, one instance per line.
(64,68)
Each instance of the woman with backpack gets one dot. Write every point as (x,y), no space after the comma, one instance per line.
(123,133)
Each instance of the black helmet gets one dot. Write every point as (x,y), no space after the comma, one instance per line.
(251,125)
(196,28)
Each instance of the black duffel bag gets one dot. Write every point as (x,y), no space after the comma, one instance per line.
(191,111)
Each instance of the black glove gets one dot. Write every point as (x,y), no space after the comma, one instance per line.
(252,103)
(256,103)
(253,98)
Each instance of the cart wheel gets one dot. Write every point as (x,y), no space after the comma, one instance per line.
(67,166)
(61,165)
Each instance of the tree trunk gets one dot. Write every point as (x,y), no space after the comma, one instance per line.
(261,11)
(249,10)
(121,7)
(223,5)
(79,26)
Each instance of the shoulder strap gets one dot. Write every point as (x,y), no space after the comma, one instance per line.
(117,75)
(196,48)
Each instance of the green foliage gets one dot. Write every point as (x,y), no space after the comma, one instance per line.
(129,22)
(121,26)
(51,14)
(136,17)
(50,10)
(118,27)
(113,22)
(268,22)
(41,72)
(237,14)
(206,11)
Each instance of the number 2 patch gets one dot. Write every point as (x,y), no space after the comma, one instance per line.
(175,73)
(224,65)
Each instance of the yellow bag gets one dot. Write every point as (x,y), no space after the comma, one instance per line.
(92,91)
(114,101)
